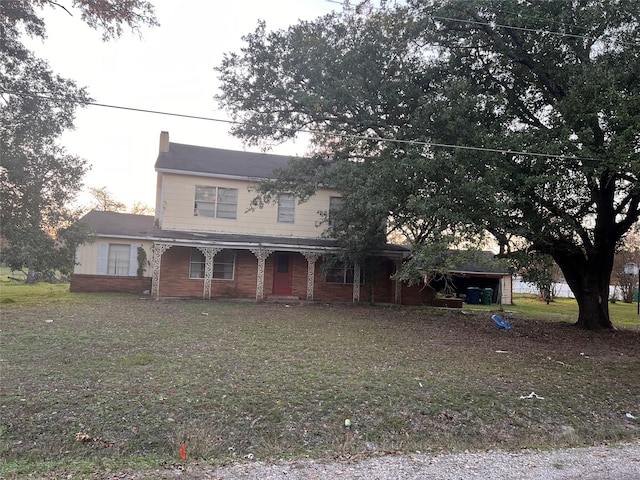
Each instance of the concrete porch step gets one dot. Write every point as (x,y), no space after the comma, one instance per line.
(282,297)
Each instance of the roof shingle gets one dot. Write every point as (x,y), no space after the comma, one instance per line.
(217,161)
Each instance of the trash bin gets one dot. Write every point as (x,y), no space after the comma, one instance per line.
(473,295)
(487,293)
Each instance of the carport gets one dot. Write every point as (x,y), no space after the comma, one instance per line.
(463,280)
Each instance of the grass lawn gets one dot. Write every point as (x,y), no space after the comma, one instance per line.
(97,383)
(563,310)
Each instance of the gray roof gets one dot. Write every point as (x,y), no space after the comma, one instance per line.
(115,224)
(219,162)
(477,262)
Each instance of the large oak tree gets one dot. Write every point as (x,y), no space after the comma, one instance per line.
(38,178)
(517,118)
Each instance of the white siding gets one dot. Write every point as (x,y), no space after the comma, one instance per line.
(178,210)
(505,290)
(92,258)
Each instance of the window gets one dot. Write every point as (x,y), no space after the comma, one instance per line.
(196,266)
(118,260)
(342,273)
(223,265)
(334,206)
(217,202)
(286,208)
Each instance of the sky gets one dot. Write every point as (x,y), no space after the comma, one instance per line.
(171,69)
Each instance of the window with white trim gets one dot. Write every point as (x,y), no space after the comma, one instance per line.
(334,206)
(286,208)
(119,259)
(197,263)
(342,273)
(223,265)
(215,202)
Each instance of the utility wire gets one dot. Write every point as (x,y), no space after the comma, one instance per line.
(513,27)
(317,132)
(156,112)
(525,29)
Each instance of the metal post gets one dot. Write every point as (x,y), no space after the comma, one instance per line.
(630,268)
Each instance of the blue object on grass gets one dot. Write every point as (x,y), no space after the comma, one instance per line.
(500,322)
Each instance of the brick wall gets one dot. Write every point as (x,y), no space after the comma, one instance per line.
(175,281)
(108,283)
(300,269)
(381,289)
(174,274)
(246,275)
(416,294)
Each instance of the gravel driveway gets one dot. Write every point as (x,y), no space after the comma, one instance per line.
(594,463)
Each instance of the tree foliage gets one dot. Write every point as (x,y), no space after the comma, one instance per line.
(457,118)
(103,200)
(624,282)
(38,178)
(539,270)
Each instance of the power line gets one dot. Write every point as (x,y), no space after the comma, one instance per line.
(525,29)
(317,132)
(513,27)
(156,112)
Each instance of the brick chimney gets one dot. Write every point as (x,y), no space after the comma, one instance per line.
(164,142)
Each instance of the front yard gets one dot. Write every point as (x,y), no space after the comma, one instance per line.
(92,383)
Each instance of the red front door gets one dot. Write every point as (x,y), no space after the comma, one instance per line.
(282,274)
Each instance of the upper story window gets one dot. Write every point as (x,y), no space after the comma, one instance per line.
(334,206)
(286,208)
(216,202)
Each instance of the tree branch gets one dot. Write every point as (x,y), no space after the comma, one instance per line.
(61,6)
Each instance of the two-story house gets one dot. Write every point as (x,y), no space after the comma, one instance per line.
(205,241)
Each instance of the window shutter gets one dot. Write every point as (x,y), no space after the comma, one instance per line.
(76,266)
(133,261)
(103,258)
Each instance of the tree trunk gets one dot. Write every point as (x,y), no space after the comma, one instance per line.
(32,277)
(589,278)
(593,305)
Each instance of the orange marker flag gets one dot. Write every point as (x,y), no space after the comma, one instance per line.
(183,453)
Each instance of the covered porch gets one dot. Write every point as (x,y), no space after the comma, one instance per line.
(261,269)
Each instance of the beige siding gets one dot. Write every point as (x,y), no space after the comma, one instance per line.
(87,254)
(178,204)
(506,287)
(159,190)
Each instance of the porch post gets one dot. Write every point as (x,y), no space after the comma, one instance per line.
(356,282)
(398,292)
(209,253)
(311,257)
(261,254)
(158,250)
